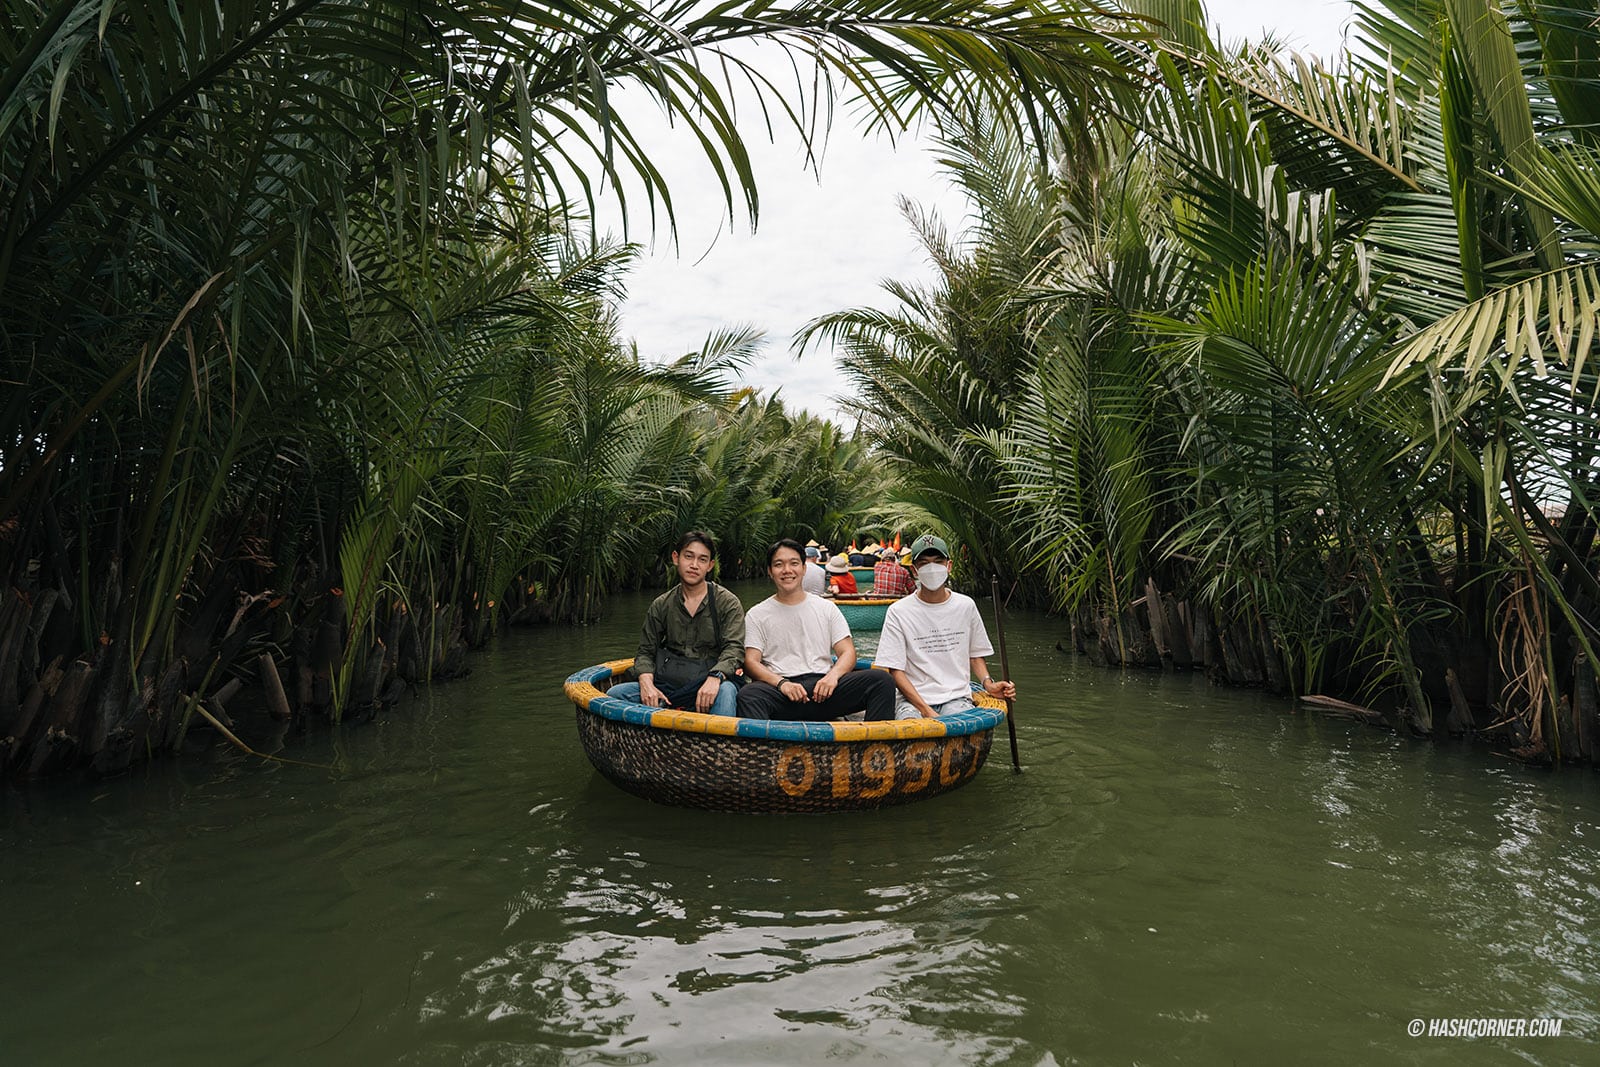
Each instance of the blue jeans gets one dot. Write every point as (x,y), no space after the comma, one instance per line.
(904,709)
(725,704)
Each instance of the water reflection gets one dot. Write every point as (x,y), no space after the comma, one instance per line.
(778,940)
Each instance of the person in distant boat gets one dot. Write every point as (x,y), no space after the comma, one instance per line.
(935,641)
(840,580)
(799,656)
(891,579)
(692,641)
(815,580)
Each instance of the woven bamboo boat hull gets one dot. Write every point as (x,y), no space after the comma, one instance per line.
(750,765)
(866,613)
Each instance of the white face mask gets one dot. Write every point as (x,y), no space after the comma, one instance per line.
(932,576)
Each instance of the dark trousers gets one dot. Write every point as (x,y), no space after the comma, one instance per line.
(870,690)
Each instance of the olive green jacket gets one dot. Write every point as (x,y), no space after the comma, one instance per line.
(667,624)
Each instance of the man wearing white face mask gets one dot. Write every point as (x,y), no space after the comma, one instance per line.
(933,642)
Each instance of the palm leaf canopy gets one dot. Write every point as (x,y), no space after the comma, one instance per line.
(117,98)
(175,180)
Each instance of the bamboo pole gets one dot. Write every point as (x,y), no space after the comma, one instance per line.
(1005,669)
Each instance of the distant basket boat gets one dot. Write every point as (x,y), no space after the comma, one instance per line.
(865,612)
(773,766)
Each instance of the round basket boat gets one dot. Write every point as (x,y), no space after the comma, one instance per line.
(865,612)
(757,765)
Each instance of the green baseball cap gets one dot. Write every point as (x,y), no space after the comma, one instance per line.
(929,543)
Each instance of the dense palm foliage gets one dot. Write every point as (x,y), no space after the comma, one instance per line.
(765,473)
(307,352)
(933,379)
(1309,349)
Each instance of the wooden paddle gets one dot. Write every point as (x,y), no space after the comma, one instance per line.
(1005,668)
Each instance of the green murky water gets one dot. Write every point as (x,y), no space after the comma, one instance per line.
(1182,875)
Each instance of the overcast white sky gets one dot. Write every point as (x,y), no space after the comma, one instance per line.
(826,244)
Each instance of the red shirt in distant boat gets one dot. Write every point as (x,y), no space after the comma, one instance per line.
(843,583)
(891,579)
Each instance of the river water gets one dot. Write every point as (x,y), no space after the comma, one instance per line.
(1182,874)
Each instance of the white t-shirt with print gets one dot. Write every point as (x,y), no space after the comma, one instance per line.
(934,644)
(795,638)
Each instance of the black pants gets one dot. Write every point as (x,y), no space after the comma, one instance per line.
(857,690)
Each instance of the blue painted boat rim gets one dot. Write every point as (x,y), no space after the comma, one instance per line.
(582,687)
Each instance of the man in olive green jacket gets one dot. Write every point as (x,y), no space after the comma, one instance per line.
(692,641)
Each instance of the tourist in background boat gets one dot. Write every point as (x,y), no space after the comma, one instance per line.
(799,656)
(862,557)
(840,581)
(815,579)
(891,579)
(692,641)
(935,641)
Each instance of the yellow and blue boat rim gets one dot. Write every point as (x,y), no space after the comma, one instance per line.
(725,763)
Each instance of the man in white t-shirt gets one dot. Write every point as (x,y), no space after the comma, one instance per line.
(799,656)
(933,642)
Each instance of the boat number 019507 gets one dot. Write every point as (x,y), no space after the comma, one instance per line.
(876,770)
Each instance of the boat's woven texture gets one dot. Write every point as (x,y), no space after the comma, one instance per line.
(865,613)
(752,765)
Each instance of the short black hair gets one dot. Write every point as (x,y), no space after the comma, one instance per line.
(785,542)
(692,536)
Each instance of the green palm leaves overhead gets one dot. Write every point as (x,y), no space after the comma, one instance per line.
(1311,346)
(933,379)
